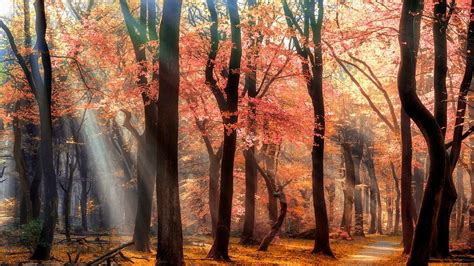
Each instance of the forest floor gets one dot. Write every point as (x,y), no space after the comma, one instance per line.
(371,250)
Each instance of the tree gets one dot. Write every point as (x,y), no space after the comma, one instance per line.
(141,32)
(409,42)
(40,82)
(228,106)
(312,68)
(170,237)
(448,197)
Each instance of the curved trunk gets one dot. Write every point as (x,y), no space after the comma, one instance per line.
(449,195)
(409,41)
(276,226)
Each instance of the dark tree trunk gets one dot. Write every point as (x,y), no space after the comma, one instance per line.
(83,172)
(359,212)
(407,207)
(25,201)
(461,203)
(276,227)
(397,200)
(250,168)
(471,179)
(214,171)
(389,204)
(228,105)
(269,158)
(69,174)
(147,145)
(419,178)
(449,195)
(440,24)
(348,188)
(170,237)
(250,191)
(43,97)
(409,41)
(375,203)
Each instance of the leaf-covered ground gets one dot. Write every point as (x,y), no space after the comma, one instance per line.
(283,251)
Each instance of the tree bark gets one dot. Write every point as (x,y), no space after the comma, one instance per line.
(229,108)
(359,212)
(170,237)
(348,188)
(407,207)
(147,145)
(397,200)
(250,168)
(409,42)
(26,206)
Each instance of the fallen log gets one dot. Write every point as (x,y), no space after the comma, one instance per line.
(112,253)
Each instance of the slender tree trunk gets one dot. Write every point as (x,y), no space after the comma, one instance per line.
(397,200)
(250,167)
(269,158)
(348,188)
(81,154)
(220,247)
(43,97)
(389,202)
(170,237)
(461,203)
(419,178)
(147,145)
(276,227)
(359,212)
(26,206)
(409,41)
(214,172)
(406,198)
(449,195)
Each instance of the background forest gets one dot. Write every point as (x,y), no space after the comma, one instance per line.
(126,125)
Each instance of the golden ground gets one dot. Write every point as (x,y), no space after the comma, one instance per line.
(282,251)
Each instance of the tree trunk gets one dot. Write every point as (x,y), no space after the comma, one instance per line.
(250,169)
(276,227)
(67,197)
(81,154)
(147,145)
(269,157)
(389,202)
(407,207)
(397,200)
(375,215)
(359,212)
(214,172)
(170,237)
(409,42)
(229,105)
(461,203)
(43,97)
(26,206)
(419,178)
(348,188)
(449,195)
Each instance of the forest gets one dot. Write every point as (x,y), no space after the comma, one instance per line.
(198,132)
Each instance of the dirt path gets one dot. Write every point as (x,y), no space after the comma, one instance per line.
(374,253)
